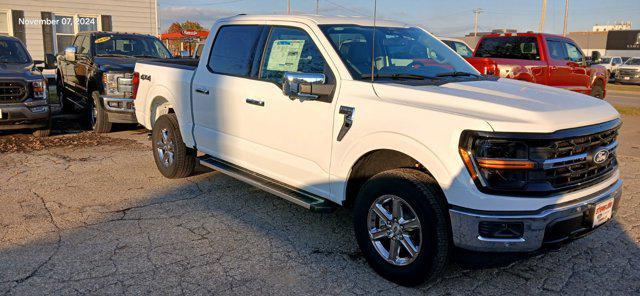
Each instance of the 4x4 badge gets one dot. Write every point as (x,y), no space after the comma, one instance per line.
(601,156)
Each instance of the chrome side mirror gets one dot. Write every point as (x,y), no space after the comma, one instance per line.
(70,53)
(305,86)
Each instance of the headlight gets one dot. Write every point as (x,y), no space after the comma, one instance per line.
(496,164)
(39,88)
(117,84)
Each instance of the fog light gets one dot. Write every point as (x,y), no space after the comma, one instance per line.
(489,229)
(40,109)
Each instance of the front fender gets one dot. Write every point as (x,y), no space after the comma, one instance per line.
(341,169)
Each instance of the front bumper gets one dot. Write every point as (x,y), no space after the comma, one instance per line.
(119,110)
(635,79)
(26,115)
(546,226)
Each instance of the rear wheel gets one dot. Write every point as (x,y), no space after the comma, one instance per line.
(402,226)
(173,158)
(597,90)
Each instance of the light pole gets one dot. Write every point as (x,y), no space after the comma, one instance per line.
(544,13)
(288,6)
(566,17)
(476,12)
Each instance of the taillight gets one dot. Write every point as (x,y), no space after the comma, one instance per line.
(135,81)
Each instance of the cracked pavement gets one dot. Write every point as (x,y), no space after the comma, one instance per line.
(102,220)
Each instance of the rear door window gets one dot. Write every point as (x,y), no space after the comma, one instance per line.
(233,50)
(509,47)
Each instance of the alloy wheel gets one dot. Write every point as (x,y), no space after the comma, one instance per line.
(165,147)
(394,230)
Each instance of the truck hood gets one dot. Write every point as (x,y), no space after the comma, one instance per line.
(19,71)
(507,105)
(119,64)
(630,67)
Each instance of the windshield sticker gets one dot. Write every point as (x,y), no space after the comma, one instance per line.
(102,39)
(285,55)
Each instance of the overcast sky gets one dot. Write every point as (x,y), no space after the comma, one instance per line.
(445,18)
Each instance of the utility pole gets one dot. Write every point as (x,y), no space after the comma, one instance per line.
(476,12)
(566,17)
(288,6)
(318,7)
(544,13)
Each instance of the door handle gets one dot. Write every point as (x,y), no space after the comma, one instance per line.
(255,102)
(202,91)
(554,67)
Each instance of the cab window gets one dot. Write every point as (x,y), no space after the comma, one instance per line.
(573,53)
(557,50)
(233,50)
(290,50)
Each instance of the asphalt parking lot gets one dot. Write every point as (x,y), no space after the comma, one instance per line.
(87,214)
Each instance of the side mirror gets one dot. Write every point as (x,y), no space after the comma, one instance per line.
(596,57)
(70,53)
(305,86)
(49,61)
(185,54)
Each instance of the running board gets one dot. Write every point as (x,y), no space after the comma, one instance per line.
(299,197)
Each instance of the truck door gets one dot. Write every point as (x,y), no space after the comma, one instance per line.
(83,62)
(559,70)
(295,134)
(580,74)
(69,66)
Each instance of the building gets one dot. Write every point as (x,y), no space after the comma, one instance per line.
(48,26)
(611,43)
(619,26)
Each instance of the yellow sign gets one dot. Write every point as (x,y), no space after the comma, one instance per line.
(102,39)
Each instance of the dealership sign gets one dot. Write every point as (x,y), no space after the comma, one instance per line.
(624,40)
(190,32)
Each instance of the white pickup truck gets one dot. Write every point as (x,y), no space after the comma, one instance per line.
(391,122)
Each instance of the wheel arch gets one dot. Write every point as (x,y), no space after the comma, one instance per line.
(405,153)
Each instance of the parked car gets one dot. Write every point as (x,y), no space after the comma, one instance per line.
(485,66)
(95,75)
(611,64)
(544,59)
(427,152)
(23,90)
(629,72)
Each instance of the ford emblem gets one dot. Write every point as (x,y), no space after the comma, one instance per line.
(601,156)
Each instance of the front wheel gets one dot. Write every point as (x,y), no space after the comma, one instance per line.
(402,226)
(173,158)
(96,116)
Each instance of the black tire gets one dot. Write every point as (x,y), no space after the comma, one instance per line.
(43,132)
(597,90)
(184,158)
(96,117)
(422,193)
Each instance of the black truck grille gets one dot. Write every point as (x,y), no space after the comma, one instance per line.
(12,91)
(571,162)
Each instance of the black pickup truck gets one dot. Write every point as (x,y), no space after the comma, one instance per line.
(95,75)
(24,100)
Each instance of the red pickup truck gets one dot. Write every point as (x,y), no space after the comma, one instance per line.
(540,58)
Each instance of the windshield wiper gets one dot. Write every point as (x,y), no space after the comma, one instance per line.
(147,56)
(398,76)
(456,74)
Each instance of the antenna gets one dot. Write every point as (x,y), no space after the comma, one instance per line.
(373,41)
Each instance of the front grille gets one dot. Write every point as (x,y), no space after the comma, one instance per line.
(628,72)
(12,91)
(569,162)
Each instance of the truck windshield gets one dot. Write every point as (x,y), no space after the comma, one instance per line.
(400,53)
(605,60)
(130,45)
(12,52)
(633,62)
(509,47)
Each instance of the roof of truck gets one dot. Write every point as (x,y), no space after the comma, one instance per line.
(524,34)
(318,19)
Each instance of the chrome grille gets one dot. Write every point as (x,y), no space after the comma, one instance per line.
(628,72)
(12,91)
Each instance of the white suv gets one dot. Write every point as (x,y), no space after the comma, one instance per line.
(391,122)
